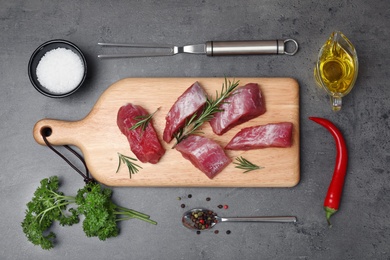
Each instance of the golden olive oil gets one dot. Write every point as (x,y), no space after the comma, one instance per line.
(336,68)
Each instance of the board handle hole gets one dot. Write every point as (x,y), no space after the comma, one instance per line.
(46,131)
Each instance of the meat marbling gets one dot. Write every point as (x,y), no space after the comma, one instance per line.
(189,103)
(144,144)
(245,103)
(204,154)
(270,135)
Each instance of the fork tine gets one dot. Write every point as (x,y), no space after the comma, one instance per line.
(169,52)
(134,55)
(136,45)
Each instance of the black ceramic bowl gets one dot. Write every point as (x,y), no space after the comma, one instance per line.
(40,52)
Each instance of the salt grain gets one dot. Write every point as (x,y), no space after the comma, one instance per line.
(60,70)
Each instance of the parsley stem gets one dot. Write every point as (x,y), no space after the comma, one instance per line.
(130,214)
(57,205)
(132,211)
(143,219)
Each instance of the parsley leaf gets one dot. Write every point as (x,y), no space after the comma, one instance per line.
(47,206)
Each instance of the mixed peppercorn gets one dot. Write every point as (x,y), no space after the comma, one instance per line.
(204,219)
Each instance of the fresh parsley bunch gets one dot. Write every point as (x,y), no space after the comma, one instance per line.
(47,205)
(93,201)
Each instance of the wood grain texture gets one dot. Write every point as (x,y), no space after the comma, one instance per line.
(99,138)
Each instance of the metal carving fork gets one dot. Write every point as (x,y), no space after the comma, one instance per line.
(210,48)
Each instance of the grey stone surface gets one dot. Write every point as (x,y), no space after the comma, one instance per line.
(361,228)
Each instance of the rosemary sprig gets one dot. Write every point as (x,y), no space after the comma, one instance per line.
(246,165)
(133,168)
(143,121)
(212,106)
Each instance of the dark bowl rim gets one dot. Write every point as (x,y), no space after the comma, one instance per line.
(37,50)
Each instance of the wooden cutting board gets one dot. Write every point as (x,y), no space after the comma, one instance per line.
(100,140)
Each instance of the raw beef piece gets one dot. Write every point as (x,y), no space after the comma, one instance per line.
(189,103)
(144,144)
(204,154)
(243,104)
(271,135)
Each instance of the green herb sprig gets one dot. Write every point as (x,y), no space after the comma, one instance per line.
(212,106)
(47,206)
(93,201)
(143,121)
(101,213)
(246,165)
(133,168)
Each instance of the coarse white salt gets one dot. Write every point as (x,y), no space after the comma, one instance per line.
(60,70)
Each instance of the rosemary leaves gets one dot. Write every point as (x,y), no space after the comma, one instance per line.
(212,106)
(133,168)
(246,165)
(143,121)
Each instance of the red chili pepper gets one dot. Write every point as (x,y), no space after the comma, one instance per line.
(333,197)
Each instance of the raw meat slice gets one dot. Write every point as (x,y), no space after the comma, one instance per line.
(243,104)
(204,154)
(271,135)
(143,143)
(189,103)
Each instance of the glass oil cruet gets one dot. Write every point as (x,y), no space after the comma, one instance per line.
(336,69)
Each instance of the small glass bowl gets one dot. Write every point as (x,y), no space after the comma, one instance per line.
(40,52)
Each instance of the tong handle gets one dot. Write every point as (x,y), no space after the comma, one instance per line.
(221,48)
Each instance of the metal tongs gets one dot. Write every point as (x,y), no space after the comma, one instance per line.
(210,48)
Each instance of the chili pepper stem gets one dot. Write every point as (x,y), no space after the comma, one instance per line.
(329,212)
